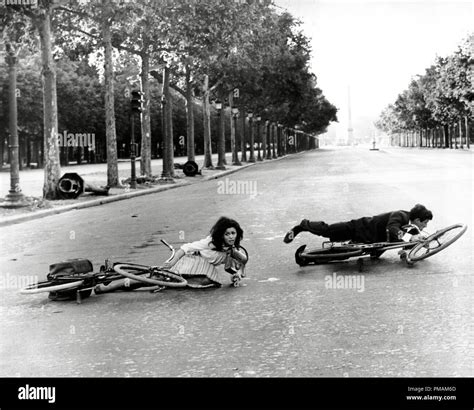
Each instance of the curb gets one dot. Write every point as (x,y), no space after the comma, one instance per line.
(96,202)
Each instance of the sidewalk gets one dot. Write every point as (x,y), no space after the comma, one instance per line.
(31,184)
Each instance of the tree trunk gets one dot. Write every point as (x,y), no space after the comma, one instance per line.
(252,140)
(268,139)
(79,155)
(221,139)
(233,139)
(169,124)
(28,151)
(278,142)
(145,162)
(189,115)
(168,170)
(258,135)
(111,137)
(207,125)
(274,140)
(52,168)
(243,139)
(264,140)
(455,135)
(468,142)
(2,148)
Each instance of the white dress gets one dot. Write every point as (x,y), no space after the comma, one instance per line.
(200,259)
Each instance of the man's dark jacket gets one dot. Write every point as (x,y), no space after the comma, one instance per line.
(380,228)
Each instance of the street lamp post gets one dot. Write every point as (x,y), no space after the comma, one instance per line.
(252,142)
(133,175)
(14,198)
(259,137)
(221,139)
(135,107)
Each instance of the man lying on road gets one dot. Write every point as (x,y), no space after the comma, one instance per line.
(388,227)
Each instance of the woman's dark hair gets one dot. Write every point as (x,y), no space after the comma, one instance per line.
(420,211)
(219,228)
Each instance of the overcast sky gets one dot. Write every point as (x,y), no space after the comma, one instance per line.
(377,46)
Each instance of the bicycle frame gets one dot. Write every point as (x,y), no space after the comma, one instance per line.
(370,249)
(368,246)
(385,246)
(409,251)
(106,280)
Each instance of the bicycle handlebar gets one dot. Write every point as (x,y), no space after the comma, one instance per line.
(171,248)
(167,244)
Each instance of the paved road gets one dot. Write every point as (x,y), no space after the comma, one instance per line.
(285,321)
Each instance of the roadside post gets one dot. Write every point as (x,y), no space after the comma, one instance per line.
(136,107)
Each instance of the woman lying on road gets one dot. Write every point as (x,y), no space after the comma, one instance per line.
(197,261)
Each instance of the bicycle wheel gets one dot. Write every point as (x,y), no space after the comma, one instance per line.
(50,286)
(325,255)
(159,276)
(436,242)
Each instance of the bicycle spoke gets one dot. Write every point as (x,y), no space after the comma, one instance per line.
(436,242)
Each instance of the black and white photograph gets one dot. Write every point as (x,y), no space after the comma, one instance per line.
(263,196)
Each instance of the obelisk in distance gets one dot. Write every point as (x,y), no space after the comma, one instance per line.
(350,134)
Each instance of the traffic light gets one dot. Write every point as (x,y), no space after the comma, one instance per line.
(136,102)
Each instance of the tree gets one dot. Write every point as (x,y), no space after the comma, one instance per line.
(41,18)
(206,33)
(440,97)
(143,32)
(96,21)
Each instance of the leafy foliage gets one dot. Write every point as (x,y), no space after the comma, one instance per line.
(238,44)
(442,96)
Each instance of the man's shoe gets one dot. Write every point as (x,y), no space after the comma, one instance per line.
(290,235)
